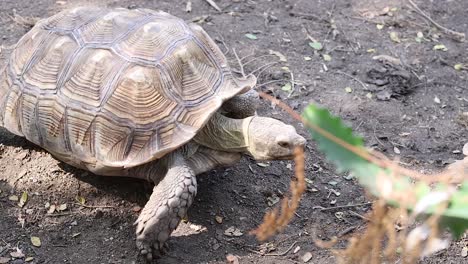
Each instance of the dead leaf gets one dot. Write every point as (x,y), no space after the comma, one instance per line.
(464,252)
(296,249)
(13,198)
(219,219)
(279,55)
(62,207)
(4,260)
(51,209)
(436,100)
(29,259)
(36,241)
(17,254)
(306,257)
(465,149)
(396,150)
(386,58)
(233,232)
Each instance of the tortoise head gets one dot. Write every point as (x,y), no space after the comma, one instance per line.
(271,139)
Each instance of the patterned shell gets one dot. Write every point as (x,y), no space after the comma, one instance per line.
(108,89)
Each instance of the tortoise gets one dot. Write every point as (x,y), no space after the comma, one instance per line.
(136,93)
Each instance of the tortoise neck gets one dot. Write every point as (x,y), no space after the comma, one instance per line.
(225,134)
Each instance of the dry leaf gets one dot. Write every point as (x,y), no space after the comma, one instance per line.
(17,254)
(386,58)
(4,260)
(219,219)
(36,241)
(51,209)
(62,207)
(296,249)
(306,257)
(232,231)
(279,55)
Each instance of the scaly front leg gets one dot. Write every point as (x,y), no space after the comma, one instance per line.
(168,204)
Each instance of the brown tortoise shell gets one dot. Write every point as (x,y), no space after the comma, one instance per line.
(108,89)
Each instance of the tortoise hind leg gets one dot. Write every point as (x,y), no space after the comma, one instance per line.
(168,204)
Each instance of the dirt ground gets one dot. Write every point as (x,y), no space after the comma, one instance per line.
(413,111)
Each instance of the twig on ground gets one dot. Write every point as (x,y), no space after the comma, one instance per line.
(214,5)
(292,84)
(347,231)
(341,206)
(456,35)
(276,81)
(354,78)
(256,58)
(263,68)
(359,215)
(241,66)
(284,252)
(58,215)
(24,21)
(94,206)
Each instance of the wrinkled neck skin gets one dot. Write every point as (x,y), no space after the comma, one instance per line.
(225,134)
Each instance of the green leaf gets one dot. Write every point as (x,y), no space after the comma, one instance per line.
(316,45)
(458,66)
(378,181)
(440,47)
(36,241)
(23,199)
(394,37)
(287,87)
(251,36)
(81,200)
(327,57)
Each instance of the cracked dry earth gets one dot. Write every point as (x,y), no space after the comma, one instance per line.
(418,107)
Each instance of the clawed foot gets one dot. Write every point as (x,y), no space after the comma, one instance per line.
(168,204)
(152,251)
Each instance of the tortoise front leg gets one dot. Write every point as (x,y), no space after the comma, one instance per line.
(206,159)
(242,105)
(168,204)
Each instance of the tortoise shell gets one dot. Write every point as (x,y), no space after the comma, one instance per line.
(107,89)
